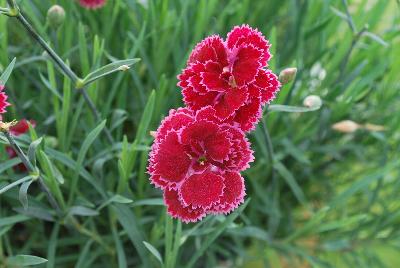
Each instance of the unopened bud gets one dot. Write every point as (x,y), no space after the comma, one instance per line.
(287,75)
(346,126)
(51,141)
(312,101)
(56,16)
(123,68)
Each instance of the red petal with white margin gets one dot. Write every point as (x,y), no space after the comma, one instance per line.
(170,160)
(198,131)
(249,114)
(217,146)
(241,154)
(196,101)
(212,48)
(245,35)
(246,65)
(269,85)
(228,103)
(202,190)
(174,121)
(211,77)
(234,193)
(3,100)
(177,210)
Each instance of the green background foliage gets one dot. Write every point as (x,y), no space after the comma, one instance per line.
(315,197)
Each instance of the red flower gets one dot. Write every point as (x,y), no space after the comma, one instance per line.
(230,76)
(92,4)
(20,128)
(3,101)
(197,161)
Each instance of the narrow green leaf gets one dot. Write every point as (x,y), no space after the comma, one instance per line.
(291,181)
(14,184)
(108,69)
(153,251)
(376,38)
(32,150)
(6,221)
(9,164)
(52,247)
(83,211)
(25,260)
(129,222)
(7,72)
(91,137)
(291,109)
(216,233)
(23,193)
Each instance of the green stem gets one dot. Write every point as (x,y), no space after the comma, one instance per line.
(64,67)
(60,63)
(32,169)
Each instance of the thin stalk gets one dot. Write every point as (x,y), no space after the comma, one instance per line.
(31,168)
(61,64)
(64,67)
(96,113)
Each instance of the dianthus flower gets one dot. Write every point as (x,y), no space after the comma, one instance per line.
(92,4)
(231,76)
(196,161)
(3,100)
(20,128)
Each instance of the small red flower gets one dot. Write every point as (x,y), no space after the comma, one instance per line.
(92,4)
(3,100)
(20,128)
(230,76)
(196,161)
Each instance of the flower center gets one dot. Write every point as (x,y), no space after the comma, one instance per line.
(232,81)
(202,160)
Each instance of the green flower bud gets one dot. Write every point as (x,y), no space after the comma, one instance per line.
(312,101)
(287,75)
(56,16)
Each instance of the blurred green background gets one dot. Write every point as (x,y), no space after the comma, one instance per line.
(324,199)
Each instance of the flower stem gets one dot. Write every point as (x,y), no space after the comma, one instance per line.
(31,168)
(60,63)
(64,67)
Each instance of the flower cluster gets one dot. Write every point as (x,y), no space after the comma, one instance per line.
(231,76)
(200,150)
(92,4)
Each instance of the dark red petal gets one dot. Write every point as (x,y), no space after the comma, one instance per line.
(234,193)
(269,85)
(246,65)
(245,35)
(217,146)
(198,131)
(21,127)
(170,159)
(241,154)
(177,210)
(202,190)
(212,48)
(249,114)
(211,77)
(92,4)
(174,121)
(207,113)
(229,102)
(196,101)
